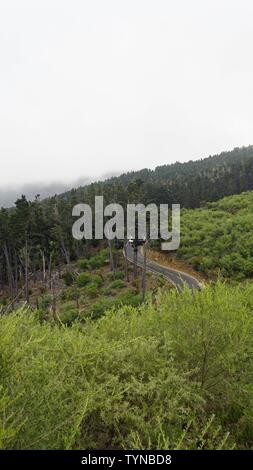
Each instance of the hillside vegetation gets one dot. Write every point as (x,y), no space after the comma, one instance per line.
(218,239)
(189,183)
(176,373)
(36,236)
(93,364)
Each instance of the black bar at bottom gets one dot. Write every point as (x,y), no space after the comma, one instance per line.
(120,459)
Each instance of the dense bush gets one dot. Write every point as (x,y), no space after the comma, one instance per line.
(3,302)
(128,297)
(83,264)
(176,373)
(92,290)
(106,291)
(97,280)
(69,278)
(45,301)
(100,307)
(218,239)
(68,313)
(70,293)
(116,275)
(117,284)
(83,279)
(99,260)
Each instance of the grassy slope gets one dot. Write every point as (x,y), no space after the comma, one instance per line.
(218,239)
(147,377)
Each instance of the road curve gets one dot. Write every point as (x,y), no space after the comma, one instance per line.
(178,278)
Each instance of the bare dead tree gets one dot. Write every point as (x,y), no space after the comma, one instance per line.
(52,285)
(126,260)
(112,262)
(9,270)
(135,257)
(144,270)
(43,265)
(26,271)
(65,251)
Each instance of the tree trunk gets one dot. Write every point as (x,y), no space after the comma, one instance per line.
(9,270)
(144,270)
(44,266)
(135,261)
(16,273)
(50,266)
(126,262)
(112,264)
(65,252)
(53,297)
(26,272)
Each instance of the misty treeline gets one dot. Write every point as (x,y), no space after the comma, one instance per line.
(36,236)
(34,239)
(190,184)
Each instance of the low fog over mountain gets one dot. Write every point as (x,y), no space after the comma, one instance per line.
(9,195)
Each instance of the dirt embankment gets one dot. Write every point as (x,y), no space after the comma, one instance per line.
(169,260)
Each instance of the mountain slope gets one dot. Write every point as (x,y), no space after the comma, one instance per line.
(217,239)
(189,184)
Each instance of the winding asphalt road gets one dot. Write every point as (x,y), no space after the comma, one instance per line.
(178,278)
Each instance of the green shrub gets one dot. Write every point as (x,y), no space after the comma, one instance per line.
(129,297)
(83,264)
(95,263)
(3,302)
(99,308)
(45,301)
(118,275)
(100,259)
(106,291)
(92,290)
(171,374)
(83,279)
(68,313)
(117,284)
(104,254)
(69,278)
(97,280)
(70,293)
(7,432)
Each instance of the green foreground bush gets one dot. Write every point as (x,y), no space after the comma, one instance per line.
(174,374)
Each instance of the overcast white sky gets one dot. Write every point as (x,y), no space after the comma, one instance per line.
(91,87)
